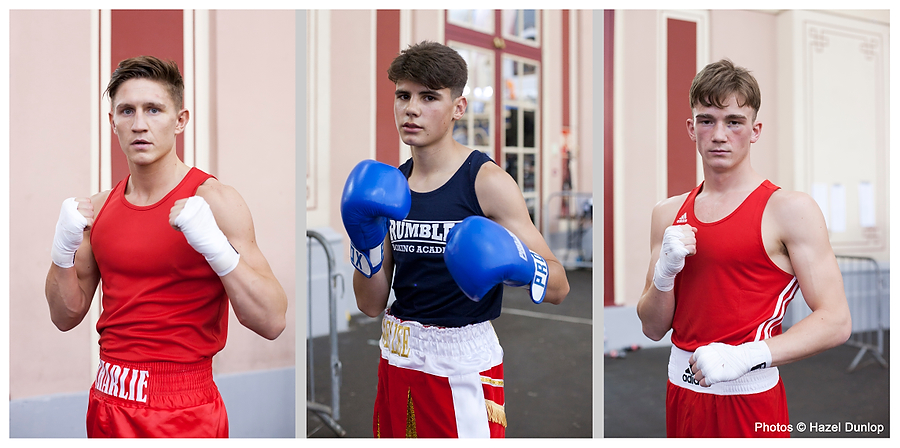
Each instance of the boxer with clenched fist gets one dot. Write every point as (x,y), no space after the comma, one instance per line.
(726,258)
(446,231)
(173,247)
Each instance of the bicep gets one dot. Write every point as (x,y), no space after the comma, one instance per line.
(502,202)
(805,236)
(235,221)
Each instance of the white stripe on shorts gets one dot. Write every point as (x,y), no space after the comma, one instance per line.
(468,403)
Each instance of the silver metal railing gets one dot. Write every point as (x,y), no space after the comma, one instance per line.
(568,228)
(866,288)
(328,414)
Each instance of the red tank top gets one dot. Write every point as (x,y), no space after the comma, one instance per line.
(161,300)
(730,291)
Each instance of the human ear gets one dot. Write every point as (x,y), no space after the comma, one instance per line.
(690,129)
(459,108)
(183,117)
(756,130)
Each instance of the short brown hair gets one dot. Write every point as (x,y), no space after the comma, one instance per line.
(149,67)
(719,80)
(431,64)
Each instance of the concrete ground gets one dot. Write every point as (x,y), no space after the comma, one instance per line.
(547,363)
(819,391)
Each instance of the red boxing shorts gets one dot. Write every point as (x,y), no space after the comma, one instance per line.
(155,399)
(439,382)
(753,405)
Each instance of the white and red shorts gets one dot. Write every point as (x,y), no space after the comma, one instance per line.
(155,399)
(753,405)
(439,382)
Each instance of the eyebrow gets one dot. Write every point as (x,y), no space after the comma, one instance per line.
(153,104)
(727,117)
(423,92)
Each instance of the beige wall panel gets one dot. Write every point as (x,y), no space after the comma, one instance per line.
(352,95)
(49,160)
(254,85)
(636,137)
(839,80)
(726,27)
(582,101)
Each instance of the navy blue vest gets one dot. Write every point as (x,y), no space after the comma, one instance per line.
(424,289)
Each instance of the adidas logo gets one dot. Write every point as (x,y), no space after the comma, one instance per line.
(682,219)
(688,377)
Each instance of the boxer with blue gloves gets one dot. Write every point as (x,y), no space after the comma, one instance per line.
(444,232)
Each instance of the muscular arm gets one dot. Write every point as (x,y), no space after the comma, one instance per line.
(502,202)
(656,308)
(372,293)
(801,226)
(258,299)
(69,291)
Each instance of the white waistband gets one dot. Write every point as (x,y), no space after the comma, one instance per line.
(751,383)
(439,350)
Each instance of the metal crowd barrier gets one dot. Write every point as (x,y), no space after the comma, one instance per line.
(328,414)
(568,228)
(866,289)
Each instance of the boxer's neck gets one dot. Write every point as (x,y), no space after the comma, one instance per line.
(433,166)
(150,183)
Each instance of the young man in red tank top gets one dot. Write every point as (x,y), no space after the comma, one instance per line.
(722,376)
(174,247)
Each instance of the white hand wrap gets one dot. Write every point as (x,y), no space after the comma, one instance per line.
(722,362)
(197,223)
(671,259)
(69,233)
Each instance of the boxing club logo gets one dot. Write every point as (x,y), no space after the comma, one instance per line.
(421,237)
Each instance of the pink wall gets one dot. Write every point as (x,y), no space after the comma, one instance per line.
(254,134)
(49,160)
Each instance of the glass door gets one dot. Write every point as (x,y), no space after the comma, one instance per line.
(503,53)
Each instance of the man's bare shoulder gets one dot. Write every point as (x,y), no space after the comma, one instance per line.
(226,203)
(792,205)
(98,199)
(669,206)
(214,191)
(494,183)
(794,210)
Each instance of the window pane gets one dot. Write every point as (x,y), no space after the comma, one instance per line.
(521,24)
(528,173)
(510,20)
(512,126)
(529,29)
(510,79)
(528,128)
(482,132)
(477,121)
(529,83)
(512,166)
(461,132)
(477,19)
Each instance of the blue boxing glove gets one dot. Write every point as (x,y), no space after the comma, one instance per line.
(481,254)
(374,194)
